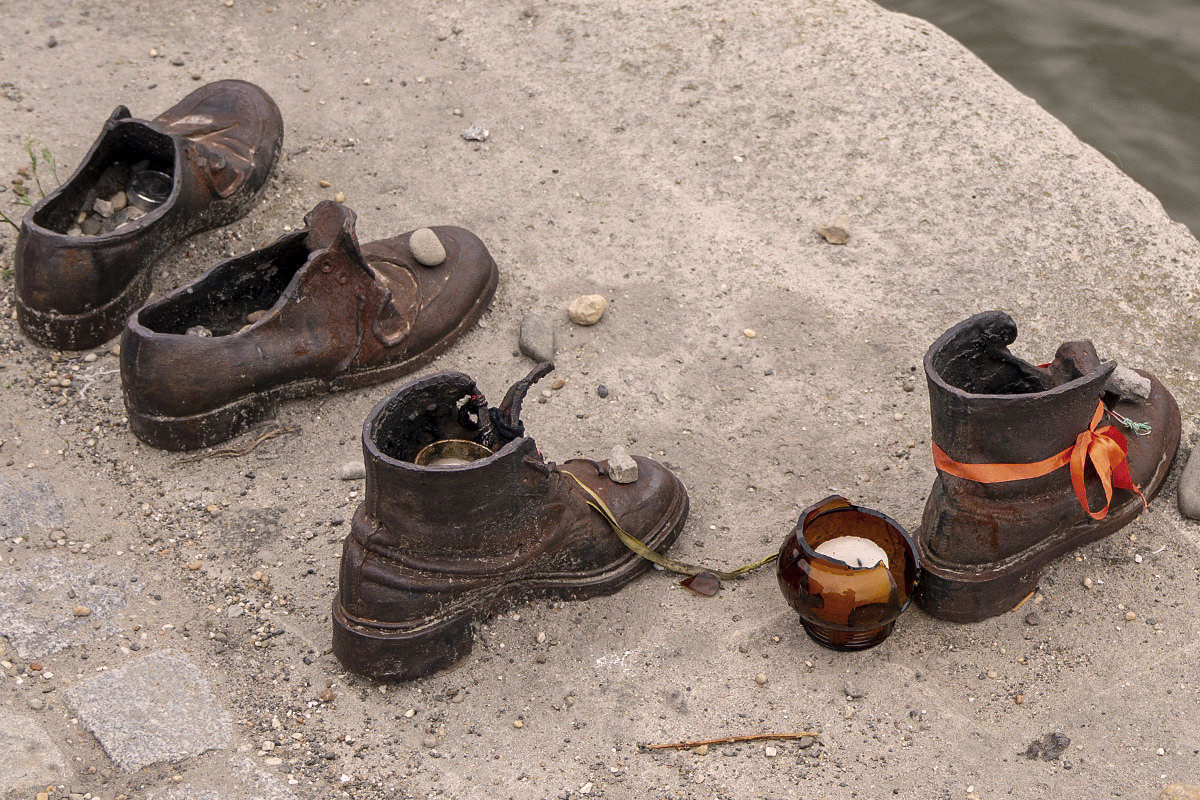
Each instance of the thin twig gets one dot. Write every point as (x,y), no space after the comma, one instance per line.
(237,452)
(1024,600)
(754,737)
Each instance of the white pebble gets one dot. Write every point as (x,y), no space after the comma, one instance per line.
(621,466)
(352,471)
(426,247)
(587,309)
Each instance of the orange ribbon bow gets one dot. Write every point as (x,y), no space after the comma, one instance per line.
(1106,448)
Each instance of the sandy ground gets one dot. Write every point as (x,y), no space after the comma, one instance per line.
(675,158)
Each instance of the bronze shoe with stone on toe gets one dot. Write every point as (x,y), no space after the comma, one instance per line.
(443,539)
(311,313)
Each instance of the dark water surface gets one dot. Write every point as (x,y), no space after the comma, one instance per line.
(1124,75)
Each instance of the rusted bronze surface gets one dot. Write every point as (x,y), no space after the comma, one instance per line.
(433,549)
(311,313)
(984,544)
(841,606)
(218,144)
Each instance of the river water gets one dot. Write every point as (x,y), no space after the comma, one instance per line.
(1124,75)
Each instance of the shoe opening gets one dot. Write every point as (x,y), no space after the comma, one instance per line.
(976,359)
(232,298)
(443,408)
(131,174)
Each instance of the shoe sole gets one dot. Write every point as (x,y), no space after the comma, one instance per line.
(391,652)
(227,421)
(970,593)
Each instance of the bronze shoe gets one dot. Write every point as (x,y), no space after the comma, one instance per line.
(311,313)
(436,545)
(983,543)
(85,253)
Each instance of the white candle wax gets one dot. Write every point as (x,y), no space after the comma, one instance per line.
(854,550)
(449,461)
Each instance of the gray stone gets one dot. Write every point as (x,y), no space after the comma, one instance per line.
(1189,486)
(158,708)
(537,338)
(90,226)
(621,466)
(476,133)
(119,201)
(426,247)
(28,506)
(352,471)
(1128,385)
(38,615)
(27,756)
(103,207)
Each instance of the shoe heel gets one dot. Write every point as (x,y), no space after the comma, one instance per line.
(395,654)
(961,596)
(201,430)
(88,329)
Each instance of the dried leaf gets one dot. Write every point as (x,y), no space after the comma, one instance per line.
(702,583)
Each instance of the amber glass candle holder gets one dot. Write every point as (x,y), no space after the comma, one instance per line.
(842,605)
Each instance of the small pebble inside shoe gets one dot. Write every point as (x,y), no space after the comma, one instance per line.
(123,193)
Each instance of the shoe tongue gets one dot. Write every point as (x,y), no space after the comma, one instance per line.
(1073,360)
(510,407)
(331,226)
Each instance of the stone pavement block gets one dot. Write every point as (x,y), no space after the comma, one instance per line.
(241,780)
(158,708)
(28,507)
(27,756)
(37,610)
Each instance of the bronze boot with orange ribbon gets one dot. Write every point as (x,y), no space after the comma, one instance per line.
(1033,461)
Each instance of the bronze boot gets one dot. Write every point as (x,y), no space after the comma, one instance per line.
(85,253)
(1011,440)
(438,544)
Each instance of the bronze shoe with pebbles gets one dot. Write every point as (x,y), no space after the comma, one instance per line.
(1033,461)
(85,253)
(311,313)
(462,518)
